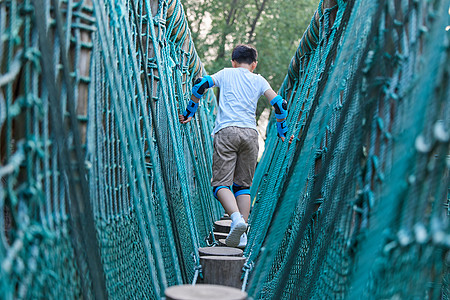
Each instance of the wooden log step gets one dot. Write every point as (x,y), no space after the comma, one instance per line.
(222,226)
(220,235)
(223,270)
(204,292)
(225,217)
(220,251)
(222,244)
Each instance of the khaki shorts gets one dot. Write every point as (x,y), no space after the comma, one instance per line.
(235,156)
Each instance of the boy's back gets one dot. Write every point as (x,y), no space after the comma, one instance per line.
(240,90)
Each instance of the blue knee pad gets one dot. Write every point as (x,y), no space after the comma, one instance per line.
(217,188)
(240,190)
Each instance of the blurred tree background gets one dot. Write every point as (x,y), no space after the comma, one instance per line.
(274,27)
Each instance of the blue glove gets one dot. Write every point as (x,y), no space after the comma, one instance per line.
(280,106)
(201,85)
(282,128)
(190,110)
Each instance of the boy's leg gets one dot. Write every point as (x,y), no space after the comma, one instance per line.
(243,204)
(245,169)
(226,198)
(226,143)
(238,224)
(224,162)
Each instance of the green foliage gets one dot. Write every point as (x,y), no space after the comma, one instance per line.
(274,27)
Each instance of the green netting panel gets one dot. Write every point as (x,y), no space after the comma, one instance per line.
(355,207)
(130,68)
(38,256)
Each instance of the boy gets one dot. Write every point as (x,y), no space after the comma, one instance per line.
(235,134)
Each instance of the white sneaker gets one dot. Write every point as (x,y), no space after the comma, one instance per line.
(243,241)
(236,230)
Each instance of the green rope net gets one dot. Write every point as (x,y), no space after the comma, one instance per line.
(104,195)
(130,68)
(354,207)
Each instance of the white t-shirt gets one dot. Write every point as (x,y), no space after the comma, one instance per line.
(240,90)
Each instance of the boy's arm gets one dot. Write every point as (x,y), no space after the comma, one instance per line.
(199,88)
(192,106)
(280,106)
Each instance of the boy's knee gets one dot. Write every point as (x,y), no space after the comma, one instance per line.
(217,188)
(240,190)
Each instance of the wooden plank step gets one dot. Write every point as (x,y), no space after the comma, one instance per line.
(222,226)
(223,270)
(220,251)
(220,235)
(204,292)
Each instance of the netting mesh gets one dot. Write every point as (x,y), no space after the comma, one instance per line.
(131,67)
(356,207)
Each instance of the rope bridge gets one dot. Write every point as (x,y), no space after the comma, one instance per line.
(105,195)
